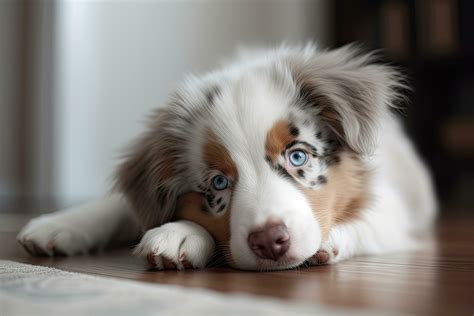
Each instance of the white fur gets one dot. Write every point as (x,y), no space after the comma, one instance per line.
(241,120)
(77,230)
(178,242)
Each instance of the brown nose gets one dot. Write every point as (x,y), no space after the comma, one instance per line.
(270,243)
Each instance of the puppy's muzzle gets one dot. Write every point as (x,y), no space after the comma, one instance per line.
(271,242)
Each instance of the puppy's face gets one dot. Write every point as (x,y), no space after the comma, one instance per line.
(266,156)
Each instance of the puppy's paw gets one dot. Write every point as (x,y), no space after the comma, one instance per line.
(48,235)
(327,254)
(177,245)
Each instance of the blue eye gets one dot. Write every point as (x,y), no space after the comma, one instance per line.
(298,158)
(220,183)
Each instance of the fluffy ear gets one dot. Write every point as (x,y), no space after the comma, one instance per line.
(349,91)
(150,176)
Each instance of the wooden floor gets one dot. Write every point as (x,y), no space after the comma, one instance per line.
(438,279)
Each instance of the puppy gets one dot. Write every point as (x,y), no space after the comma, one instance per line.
(283,157)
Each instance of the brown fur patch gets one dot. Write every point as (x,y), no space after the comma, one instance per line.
(167,169)
(342,197)
(190,208)
(216,156)
(277,138)
(145,176)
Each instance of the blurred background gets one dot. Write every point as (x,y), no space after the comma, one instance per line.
(78,77)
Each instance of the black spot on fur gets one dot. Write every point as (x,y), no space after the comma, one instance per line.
(322,179)
(210,199)
(319,135)
(221,208)
(219,200)
(211,94)
(294,130)
(301,173)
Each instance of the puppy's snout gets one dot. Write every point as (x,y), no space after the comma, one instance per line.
(271,242)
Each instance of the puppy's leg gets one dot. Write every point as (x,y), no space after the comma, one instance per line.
(382,228)
(177,245)
(79,229)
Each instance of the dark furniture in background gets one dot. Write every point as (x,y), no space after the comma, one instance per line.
(433,43)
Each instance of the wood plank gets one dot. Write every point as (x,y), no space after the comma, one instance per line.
(438,278)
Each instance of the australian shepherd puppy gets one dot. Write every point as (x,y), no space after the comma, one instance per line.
(283,157)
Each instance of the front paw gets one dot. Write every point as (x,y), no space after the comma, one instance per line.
(327,254)
(47,236)
(177,245)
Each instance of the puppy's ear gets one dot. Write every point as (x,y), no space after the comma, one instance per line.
(150,176)
(348,91)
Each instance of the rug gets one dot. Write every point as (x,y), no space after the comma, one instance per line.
(36,290)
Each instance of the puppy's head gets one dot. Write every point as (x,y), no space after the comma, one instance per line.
(266,154)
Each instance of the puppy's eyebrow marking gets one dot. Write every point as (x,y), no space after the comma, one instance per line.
(216,156)
(293,143)
(277,138)
(313,149)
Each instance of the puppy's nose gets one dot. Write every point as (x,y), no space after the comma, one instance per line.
(271,242)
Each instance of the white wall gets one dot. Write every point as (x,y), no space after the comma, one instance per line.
(118,60)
